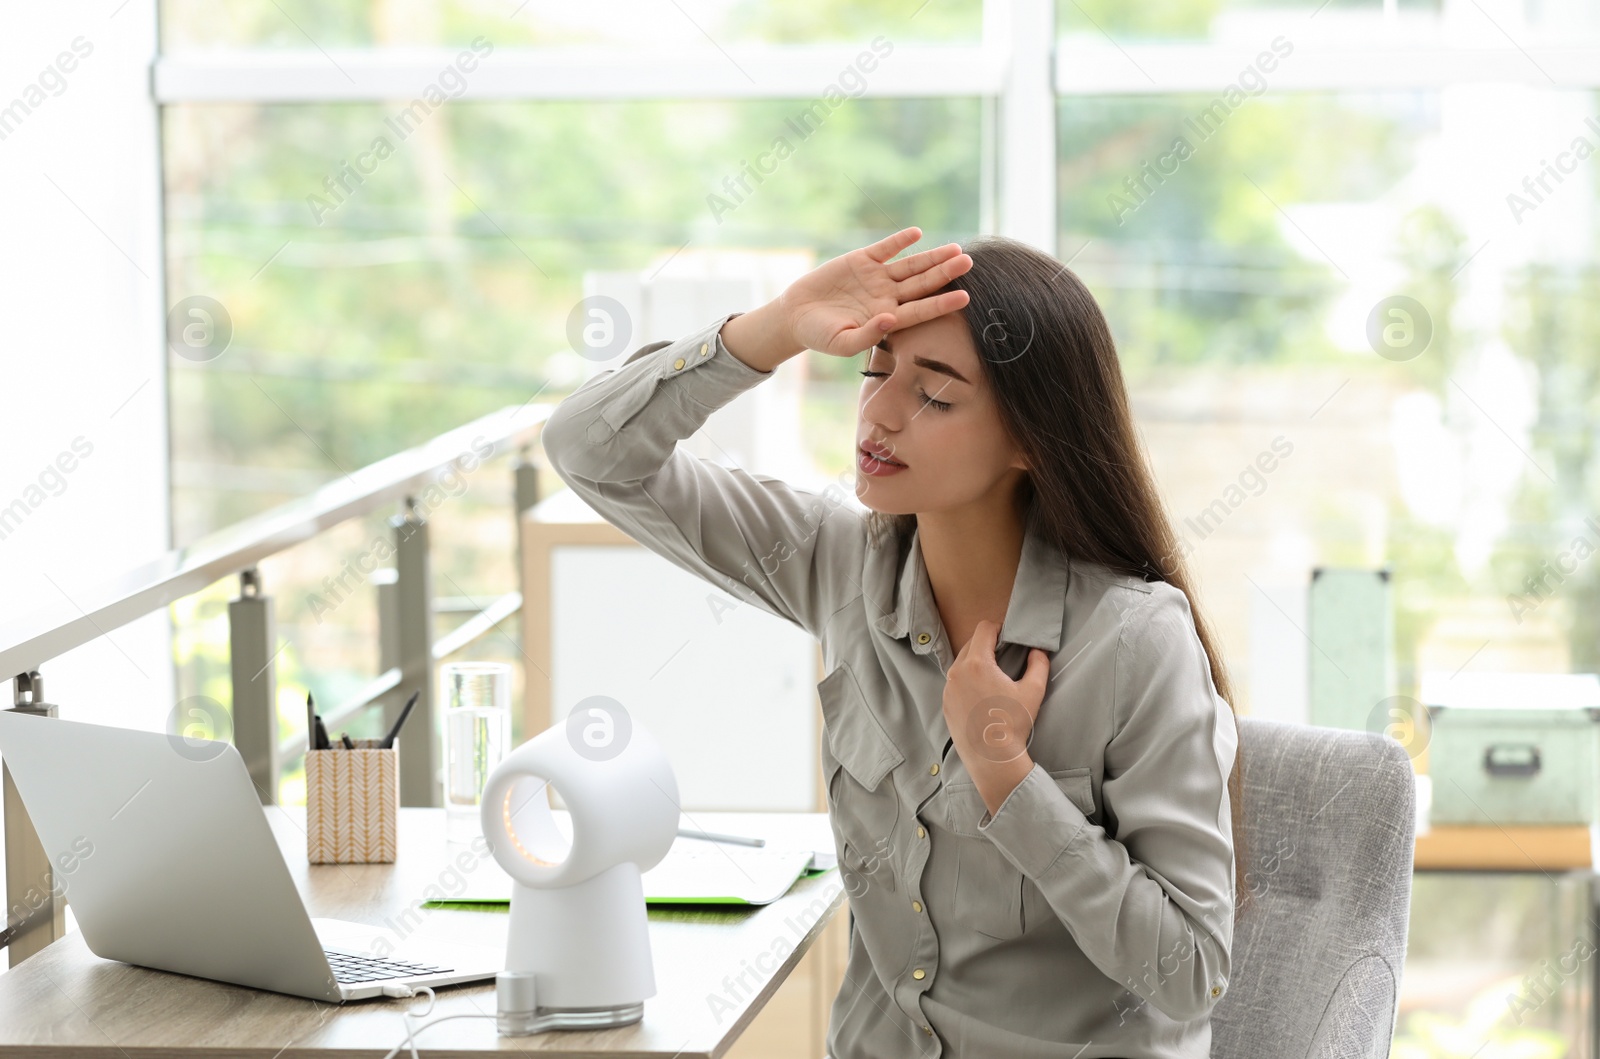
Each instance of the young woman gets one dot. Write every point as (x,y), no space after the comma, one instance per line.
(1028,747)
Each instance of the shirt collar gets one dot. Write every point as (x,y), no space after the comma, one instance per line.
(1033,617)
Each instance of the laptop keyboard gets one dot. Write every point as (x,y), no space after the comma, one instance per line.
(351,968)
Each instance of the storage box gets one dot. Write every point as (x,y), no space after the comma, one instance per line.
(352,804)
(1515,749)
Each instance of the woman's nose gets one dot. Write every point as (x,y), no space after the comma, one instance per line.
(884,409)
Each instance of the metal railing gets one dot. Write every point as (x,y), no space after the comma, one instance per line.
(407,648)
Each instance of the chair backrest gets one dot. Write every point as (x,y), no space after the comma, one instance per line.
(1329,830)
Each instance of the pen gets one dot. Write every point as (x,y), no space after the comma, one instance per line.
(344,737)
(712,836)
(322,736)
(311,723)
(388,740)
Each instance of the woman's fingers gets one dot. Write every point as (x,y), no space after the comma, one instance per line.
(913,279)
(849,343)
(910,266)
(891,245)
(927,282)
(913,313)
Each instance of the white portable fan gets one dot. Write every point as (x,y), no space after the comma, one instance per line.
(578,951)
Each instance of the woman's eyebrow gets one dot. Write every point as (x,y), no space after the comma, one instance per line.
(932,365)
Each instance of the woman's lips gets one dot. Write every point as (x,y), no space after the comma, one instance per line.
(880,450)
(870,464)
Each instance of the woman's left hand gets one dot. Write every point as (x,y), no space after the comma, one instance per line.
(991,716)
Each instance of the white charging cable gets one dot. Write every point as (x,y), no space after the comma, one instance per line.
(403,991)
(516,998)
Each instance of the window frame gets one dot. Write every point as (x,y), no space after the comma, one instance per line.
(1019,68)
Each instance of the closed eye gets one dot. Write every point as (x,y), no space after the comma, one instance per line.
(943,406)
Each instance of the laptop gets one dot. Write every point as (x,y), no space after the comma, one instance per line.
(162,849)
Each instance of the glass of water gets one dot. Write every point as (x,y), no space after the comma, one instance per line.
(475,700)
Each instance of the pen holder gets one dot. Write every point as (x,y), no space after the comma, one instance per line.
(352,804)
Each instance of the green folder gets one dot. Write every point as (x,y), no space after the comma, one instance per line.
(699,873)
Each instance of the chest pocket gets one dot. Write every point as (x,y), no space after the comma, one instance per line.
(862,801)
(1078,785)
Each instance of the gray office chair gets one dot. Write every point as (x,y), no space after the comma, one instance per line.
(1329,822)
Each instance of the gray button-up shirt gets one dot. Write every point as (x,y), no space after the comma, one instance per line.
(1092,915)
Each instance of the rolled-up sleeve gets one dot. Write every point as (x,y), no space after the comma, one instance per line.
(614,442)
(1152,907)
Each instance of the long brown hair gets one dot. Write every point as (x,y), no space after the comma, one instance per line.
(1051,361)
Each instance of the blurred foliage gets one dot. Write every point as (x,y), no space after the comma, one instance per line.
(1428,578)
(946,21)
(1160,18)
(437,289)
(1553,322)
(1430,1035)
(1202,266)
(1522,925)
(1193,267)
(700,24)
(201,653)
(1188,20)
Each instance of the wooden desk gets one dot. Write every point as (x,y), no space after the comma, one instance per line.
(1515,847)
(66,1001)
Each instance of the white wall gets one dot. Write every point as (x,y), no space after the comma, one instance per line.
(728,689)
(81,339)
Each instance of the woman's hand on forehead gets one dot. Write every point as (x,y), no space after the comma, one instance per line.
(846,304)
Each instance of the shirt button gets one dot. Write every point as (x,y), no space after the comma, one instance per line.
(705,347)
(923,637)
(919,974)
(933,769)
(928,1031)
(921,832)
(916,906)
(1216,990)
(677,363)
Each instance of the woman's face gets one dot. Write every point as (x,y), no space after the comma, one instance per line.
(927,400)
